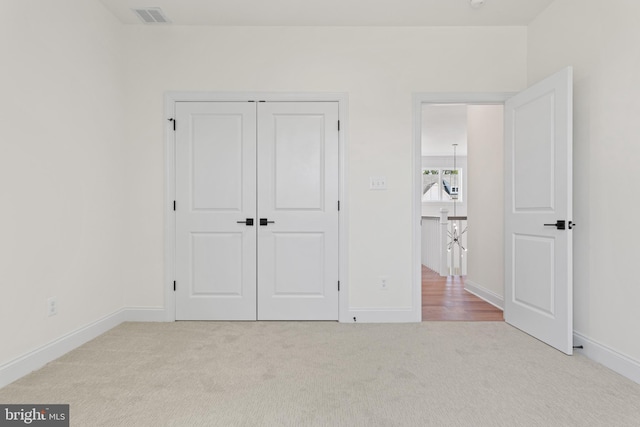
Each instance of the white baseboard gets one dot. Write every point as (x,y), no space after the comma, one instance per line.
(485,294)
(378,315)
(145,314)
(23,365)
(617,362)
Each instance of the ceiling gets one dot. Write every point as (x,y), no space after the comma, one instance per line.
(335,12)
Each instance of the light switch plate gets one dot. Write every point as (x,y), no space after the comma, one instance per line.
(377,183)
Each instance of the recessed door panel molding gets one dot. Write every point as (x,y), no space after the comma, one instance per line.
(217,163)
(534,155)
(538,211)
(299,265)
(216,264)
(536,281)
(299,161)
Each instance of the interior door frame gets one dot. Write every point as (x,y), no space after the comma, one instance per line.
(420,99)
(170,100)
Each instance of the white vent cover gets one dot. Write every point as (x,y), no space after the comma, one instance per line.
(151,15)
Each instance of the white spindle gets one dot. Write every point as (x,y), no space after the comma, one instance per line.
(444,241)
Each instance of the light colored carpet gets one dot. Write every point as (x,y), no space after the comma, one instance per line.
(328,374)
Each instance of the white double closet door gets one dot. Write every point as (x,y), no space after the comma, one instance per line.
(257,210)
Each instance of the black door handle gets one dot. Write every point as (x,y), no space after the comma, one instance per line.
(249,222)
(560,224)
(263,221)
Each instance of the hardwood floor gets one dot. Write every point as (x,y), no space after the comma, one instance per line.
(444,298)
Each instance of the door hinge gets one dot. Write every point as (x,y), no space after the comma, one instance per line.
(338,125)
(174,123)
(338,285)
(338,204)
(174,205)
(174,285)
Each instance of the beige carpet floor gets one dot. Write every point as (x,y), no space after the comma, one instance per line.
(328,374)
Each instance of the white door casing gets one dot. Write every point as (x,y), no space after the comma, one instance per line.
(419,100)
(217,256)
(298,189)
(215,188)
(538,191)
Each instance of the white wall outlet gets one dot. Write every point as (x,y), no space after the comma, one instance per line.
(52,306)
(377,183)
(384,282)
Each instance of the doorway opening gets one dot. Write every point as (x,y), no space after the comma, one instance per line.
(460,206)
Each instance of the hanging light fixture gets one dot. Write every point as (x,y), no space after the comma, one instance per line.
(476,4)
(455,236)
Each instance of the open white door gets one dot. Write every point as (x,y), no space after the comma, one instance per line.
(538,211)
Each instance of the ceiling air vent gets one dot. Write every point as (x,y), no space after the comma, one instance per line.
(151,15)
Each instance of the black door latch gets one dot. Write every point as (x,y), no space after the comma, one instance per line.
(561,224)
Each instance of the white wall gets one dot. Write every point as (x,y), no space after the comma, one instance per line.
(379,68)
(485,258)
(61,169)
(600,39)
